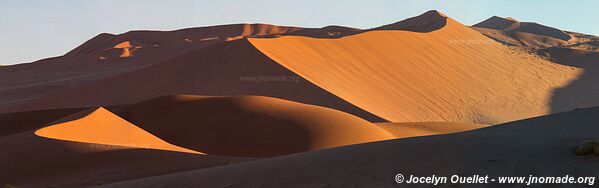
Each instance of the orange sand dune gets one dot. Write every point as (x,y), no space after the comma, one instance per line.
(248,126)
(450,74)
(102,127)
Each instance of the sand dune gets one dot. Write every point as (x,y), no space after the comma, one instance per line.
(519,148)
(513,26)
(528,34)
(248,126)
(450,74)
(100,126)
(97,59)
(231,68)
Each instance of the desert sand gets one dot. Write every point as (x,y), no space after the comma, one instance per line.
(543,146)
(258,105)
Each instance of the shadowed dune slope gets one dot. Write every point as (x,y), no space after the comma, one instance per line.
(231,68)
(248,126)
(100,126)
(13,123)
(450,74)
(511,149)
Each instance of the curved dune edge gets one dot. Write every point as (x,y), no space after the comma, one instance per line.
(248,126)
(103,127)
(414,129)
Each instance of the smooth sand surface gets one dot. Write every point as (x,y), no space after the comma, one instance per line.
(542,146)
(450,74)
(100,126)
(413,129)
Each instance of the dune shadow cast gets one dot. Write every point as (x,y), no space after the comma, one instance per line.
(582,92)
(220,127)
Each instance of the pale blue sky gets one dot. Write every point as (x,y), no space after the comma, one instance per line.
(35,29)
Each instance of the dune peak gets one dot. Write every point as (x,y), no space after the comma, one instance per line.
(429,21)
(100,126)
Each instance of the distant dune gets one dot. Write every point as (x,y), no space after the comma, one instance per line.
(528,34)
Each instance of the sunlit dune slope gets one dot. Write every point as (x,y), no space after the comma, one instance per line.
(100,126)
(413,129)
(449,74)
(248,126)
